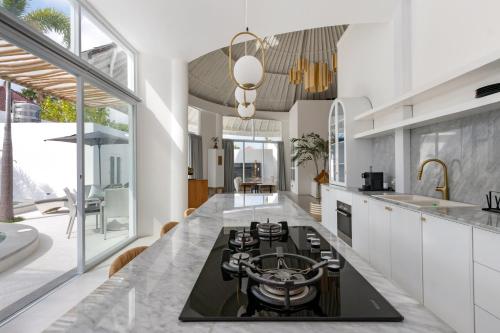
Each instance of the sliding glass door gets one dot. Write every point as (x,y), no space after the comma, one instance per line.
(256,161)
(109,172)
(69,173)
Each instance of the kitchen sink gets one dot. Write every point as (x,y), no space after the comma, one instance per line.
(420,201)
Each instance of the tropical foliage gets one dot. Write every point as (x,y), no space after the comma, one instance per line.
(310,147)
(43,19)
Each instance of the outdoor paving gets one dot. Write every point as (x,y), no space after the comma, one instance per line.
(55,255)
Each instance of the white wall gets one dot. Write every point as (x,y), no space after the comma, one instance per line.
(449,34)
(307,117)
(42,169)
(366,62)
(160,137)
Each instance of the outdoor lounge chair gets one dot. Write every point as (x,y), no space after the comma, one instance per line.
(51,205)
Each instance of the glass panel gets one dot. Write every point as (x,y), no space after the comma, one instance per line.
(100,49)
(193,120)
(110,207)
(238,160)
(39,245)
(270,168)
(333,146)
(253,161)
(341,143)
(51,17)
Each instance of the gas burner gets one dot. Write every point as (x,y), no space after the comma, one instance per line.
(231,262)
(270,230)
(283,287)
(243,240)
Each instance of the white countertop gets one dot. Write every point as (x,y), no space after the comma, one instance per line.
(149,293)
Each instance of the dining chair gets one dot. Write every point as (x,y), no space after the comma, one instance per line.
(123,259)
(91,208)
(188,212)
(167,227)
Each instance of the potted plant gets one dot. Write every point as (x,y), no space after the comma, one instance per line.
(311,147)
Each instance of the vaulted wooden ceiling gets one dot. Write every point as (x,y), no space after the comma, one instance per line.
(209,77)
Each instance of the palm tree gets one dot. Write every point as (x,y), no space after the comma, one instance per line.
(45,20)
(6,182)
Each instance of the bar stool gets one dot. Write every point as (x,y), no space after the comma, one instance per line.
(167,227)
(124,258)
(188,212)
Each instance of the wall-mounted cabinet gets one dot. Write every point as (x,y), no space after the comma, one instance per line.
(347,158)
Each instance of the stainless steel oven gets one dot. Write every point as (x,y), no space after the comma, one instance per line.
(344,222)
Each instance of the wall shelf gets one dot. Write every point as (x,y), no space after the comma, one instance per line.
(423,93)
(485,104)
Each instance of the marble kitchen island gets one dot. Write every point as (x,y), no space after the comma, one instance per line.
(148,294)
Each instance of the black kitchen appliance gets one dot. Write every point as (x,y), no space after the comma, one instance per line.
(373,181)
(344,222)
(273,272)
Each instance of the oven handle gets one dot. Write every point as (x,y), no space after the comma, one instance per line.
(341,212)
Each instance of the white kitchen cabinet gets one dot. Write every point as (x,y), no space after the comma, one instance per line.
(379,236)
(406,251)
(487,248)
(329,209)
(360,226)
(486,289)
(447,267)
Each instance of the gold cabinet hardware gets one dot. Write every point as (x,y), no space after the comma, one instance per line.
(389,209)
(423,219)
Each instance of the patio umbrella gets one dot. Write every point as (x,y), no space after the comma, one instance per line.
(96,138)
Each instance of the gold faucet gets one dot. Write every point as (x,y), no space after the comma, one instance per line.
(445,191)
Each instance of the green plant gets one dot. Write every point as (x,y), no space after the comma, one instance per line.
(15,219)
(43,19)
(310,147)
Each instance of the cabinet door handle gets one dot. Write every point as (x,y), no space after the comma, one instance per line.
(423,219)
(365,201)
(388,209)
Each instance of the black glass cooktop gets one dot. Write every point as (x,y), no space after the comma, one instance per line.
(339,294)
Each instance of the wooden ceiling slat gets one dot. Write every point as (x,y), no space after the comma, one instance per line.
(27,70)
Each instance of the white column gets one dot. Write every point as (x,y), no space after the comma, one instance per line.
(402,157)
(178,159)
(402,84)
(218,126)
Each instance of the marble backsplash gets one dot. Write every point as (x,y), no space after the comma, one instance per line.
(470,147)
(383,156)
